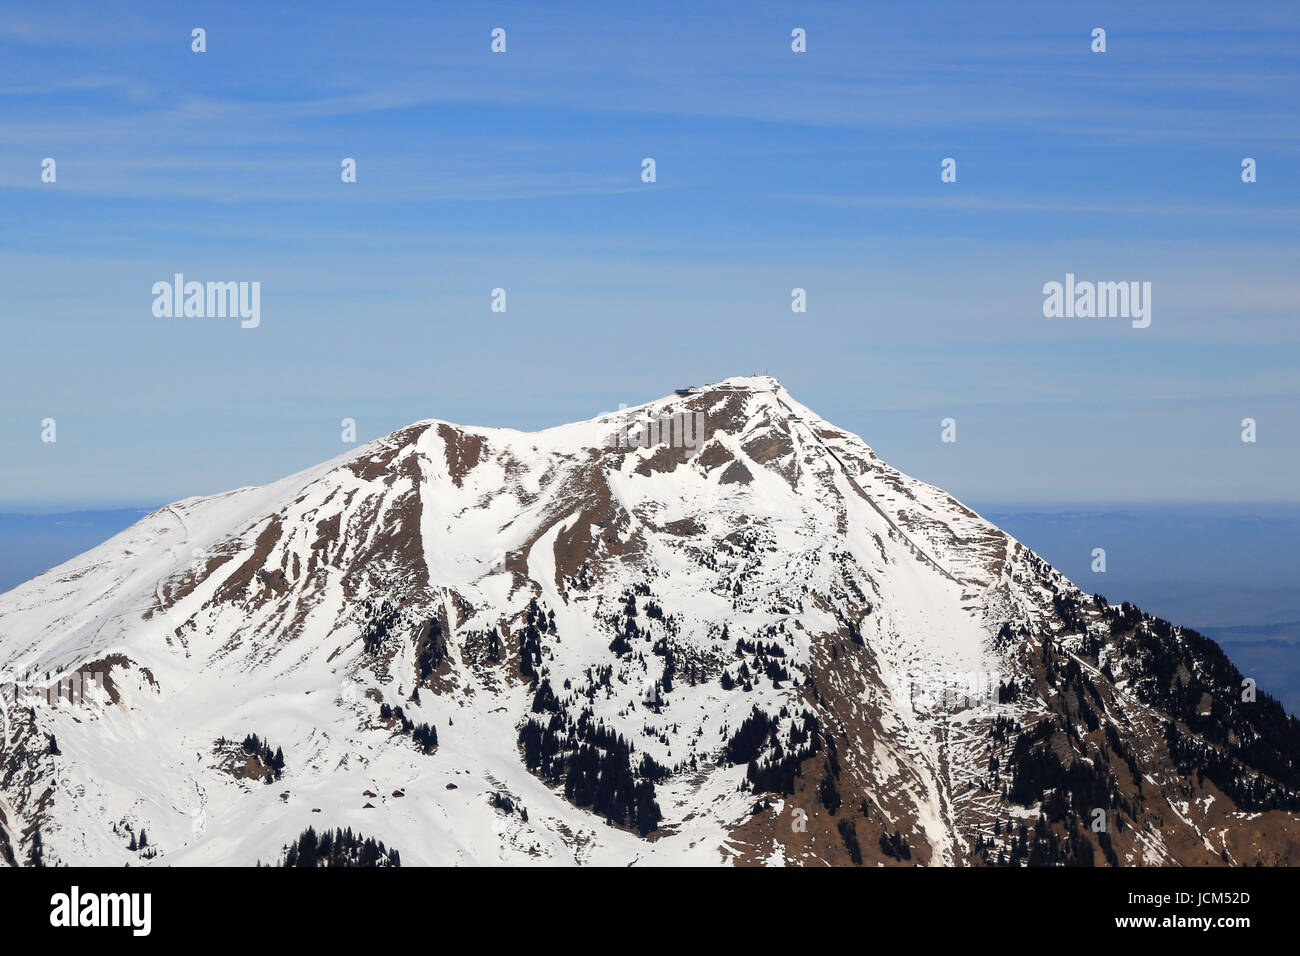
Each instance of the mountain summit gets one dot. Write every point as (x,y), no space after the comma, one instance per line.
(714,628)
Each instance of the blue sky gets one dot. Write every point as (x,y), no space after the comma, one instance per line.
(775,170)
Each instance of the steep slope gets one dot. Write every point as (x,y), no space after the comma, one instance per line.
(731,634)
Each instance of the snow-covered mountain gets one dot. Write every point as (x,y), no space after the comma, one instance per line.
(734,637)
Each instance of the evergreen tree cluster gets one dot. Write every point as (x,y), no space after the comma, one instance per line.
(849,834)
(544,699)
(274,761)
(505,804)
(1107,848)
(894,845)
(1008,636)
(1116,744)
(773,766)
(1003,729)
(334,848)
(1070,611)
(828,790)
(1035,767)
(537,622)
(381,619)
(1075,687)
(431,649)
(1068,794)
(594,766)
(36,851)
(768,660)
(855,634)
(755,733)
(7,849)
(582,580)
(1250,749)
(1008,691)
(753,648)
(627,632)
(481,647)
(425,736)
(622,642)
(1043,846)
(1248,790)
(662,648)
(141,845)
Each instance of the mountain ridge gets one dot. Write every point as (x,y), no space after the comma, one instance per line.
(567,607)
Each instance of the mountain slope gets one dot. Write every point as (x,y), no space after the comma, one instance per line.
(748,640)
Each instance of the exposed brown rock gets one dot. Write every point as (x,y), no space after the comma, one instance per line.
(736,474)
(463,452)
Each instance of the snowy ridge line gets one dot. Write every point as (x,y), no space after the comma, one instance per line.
(912,546)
